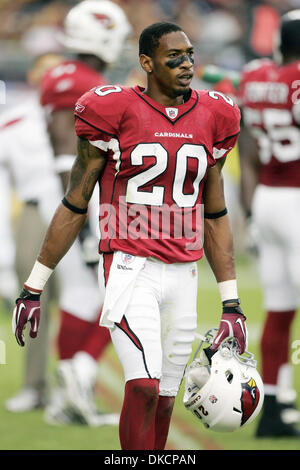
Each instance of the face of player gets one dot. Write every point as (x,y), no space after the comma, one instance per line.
(173,64)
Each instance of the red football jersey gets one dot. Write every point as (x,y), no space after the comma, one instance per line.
(271,110)
(63,84)
(157,161)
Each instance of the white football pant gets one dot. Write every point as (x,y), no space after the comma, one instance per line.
(154,338)
(276,214)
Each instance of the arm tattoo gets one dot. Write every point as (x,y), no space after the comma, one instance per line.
(89,184)
(80,175)
(80,164)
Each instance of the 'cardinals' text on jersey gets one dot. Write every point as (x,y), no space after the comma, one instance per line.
(271,109)
(62,85)
(157,161)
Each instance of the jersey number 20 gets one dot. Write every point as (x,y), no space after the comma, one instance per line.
(155,197)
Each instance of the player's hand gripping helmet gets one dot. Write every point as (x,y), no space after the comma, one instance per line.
(96,27)
(224,390)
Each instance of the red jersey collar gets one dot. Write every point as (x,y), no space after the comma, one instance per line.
(171,113)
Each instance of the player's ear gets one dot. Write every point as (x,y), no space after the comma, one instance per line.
(146,63)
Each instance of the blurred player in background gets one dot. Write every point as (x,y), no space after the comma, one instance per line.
(31,168)
(97,31)
(28,165)
(270,169)
(148,150)
(8,276)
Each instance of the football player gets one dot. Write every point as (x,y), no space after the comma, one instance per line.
(157,153)
(31,176)
(270,171)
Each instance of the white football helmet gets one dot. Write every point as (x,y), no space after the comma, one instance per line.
(97,27)
(225,392)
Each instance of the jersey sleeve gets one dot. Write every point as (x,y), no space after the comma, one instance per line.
(63,85)
(98,114)
(227,123)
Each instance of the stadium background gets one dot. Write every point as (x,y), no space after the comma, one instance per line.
(226,33)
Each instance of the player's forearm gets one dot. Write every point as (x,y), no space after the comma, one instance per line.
(60,236)
(69,217)
(218,248)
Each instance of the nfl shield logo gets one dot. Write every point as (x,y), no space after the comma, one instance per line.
(172,112)
(213,399)
(127,258)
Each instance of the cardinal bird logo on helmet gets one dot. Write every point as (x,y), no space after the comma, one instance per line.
(249,399)
(105,20)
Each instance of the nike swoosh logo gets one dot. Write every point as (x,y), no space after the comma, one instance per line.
(239,321)
(21,307)
(230,331)
(30,316)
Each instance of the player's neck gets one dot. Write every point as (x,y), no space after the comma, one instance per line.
(92,61)
(162,97)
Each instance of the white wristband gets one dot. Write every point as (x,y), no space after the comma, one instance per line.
(64,163)
(38,277)
(228,289)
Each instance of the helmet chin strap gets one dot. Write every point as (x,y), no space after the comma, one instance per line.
(207,338)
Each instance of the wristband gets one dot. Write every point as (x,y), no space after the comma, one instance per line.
(215,215)
(228,290)
(27,295)
(72,208)
(38,278)
(231,301)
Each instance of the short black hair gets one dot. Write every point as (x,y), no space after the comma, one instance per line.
(150,36)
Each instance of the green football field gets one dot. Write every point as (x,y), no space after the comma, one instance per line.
(29,431)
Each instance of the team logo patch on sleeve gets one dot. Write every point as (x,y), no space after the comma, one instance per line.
(79,108)
(249,399)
